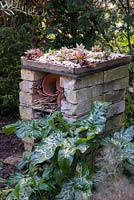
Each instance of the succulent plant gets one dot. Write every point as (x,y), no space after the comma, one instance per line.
(33,54)
(96,48)
(78,56)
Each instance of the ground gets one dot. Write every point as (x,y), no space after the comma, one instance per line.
(119,188)
(11,149)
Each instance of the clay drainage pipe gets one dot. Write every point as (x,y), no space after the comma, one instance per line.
(51,87)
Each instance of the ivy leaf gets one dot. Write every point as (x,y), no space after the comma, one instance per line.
(67,192)
(125,135)
(58,123)
(128,152)
(77,188)
(84,140)
(11,196)
(82,182)
(14,179)
(66,155)
(23,190)
(58,175)
(47,186)
(65,159)
(26,160)
(83,195)
(97,119)
(9,129)
(47,173)
(46,149)
(29,129)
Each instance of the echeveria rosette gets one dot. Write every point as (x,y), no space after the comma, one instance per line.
(33,54)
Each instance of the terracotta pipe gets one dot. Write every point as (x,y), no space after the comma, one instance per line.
(50,85)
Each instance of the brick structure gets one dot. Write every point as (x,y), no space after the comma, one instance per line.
(106,82)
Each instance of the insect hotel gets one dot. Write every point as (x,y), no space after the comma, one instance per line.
(70,80)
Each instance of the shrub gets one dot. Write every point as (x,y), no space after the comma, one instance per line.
(14,40)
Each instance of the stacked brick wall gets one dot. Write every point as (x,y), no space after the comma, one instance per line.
(79,94)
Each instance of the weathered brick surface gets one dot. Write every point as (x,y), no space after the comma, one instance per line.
(30,75)
(82,95)
(75,84)
(80,109)
(71,119)
(114,96)
(116,108)
(27,98)
(26,113)
(116,73)
(27,86)
(115,123)
(75,110)
(79,94)
(115,85)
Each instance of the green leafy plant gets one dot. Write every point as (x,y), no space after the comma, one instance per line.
(57,168)
(129,112)
(15,39)
(117,154)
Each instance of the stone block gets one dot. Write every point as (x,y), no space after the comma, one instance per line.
(27,86)
(116,73)
(80,109)
(27,98)
(116,108)
(82,95)
(115,123)
(26,113)
(30,75)
(87,81)
(116,85)
(114,96)
(71,119)
(68,108)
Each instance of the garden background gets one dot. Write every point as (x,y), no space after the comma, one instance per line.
(67,162)
(56,23)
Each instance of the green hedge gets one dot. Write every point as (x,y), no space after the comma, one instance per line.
(14,40)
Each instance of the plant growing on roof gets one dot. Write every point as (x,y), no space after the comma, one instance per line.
(33,54)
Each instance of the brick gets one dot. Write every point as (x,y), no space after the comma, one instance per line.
(116,108)
(68,108)
(71,119)
(75,84)
(27,98)
(30,75)
(67,82)
(116,85)
(82,95)
(80,109)
(27,86)
(116,73)
(114,96)
(26,113)
(115,123)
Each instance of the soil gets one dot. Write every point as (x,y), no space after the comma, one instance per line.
(9,146)
(119,188)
